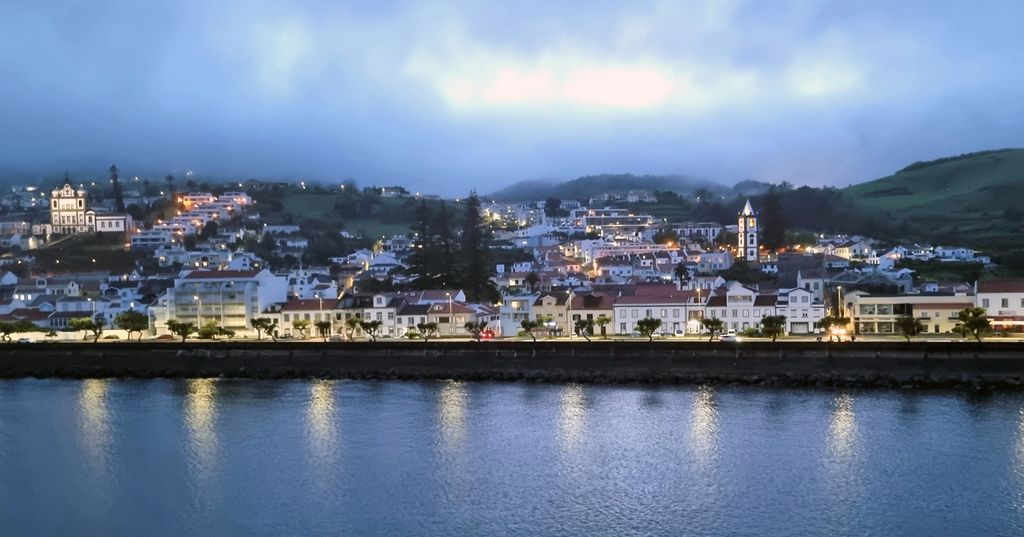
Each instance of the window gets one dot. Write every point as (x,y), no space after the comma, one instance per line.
(286,317)
(664,313)
(442,320)
(984,302)
(1004,303)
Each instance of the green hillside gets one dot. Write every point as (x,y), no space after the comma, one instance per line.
(965,185)
(970,198)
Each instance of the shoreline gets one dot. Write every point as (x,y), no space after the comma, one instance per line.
(925,365)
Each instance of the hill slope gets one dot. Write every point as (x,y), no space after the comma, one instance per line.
(592,185)
(965,186)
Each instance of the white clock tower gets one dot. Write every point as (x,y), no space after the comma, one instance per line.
(747,234)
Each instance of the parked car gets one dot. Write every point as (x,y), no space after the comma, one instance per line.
(336,338)
(26,340)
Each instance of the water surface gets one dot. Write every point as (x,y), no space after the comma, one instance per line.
(209,457)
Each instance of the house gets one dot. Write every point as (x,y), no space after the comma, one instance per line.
(553,306)
(1003,300)
(678,310)
(312,310)
(591,307)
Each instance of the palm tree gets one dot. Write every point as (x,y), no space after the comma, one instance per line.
(910,326)
(681,273)
(973,322)
(601,321)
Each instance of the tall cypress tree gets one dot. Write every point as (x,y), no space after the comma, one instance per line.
(443,252)
(773,221)
(475,253)
(420,261)
(116,185)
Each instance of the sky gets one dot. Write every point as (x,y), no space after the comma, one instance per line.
(448,96)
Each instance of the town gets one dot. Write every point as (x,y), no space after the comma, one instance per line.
(230,261)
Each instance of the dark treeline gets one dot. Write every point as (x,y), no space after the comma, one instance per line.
(453,251)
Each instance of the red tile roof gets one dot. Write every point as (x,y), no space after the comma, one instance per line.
(220,274)
(312,304)
(1001,286)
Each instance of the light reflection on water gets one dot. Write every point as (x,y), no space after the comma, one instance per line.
(451,414)
(201,427)
(842,430)
(321,421)
(572,416)
(704,425)
(94,423)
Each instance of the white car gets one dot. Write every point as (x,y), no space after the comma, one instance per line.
(26,340)
(729,337)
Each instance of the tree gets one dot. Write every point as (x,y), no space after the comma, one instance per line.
(476,266)
(180,328)
(713,325)
(910,326)
(773,221)
(132,321)
(443,251)
(773,326)
(476,328)
(602,321)
(529,326)
(552,207)
(647,327)
(351,324)
(532,279)
(427,330)
(420,262)
(584,327)
(973,322)
(16,327)
(263,325)
(324,329)
(209,230)
(170,186)
(301,325)
(371,328)
(210,330)
(116,186)
(87,325)
(681,273)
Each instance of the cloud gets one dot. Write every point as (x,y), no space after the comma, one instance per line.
(460,94)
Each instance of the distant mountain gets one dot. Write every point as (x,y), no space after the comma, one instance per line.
(593,185)
(953,187)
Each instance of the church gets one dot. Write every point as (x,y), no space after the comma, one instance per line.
(746,234)
(70,214)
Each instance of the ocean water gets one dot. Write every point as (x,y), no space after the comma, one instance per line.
(321,457)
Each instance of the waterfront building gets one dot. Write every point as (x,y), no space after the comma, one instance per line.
(1003,300)
(231,298)
(878,314)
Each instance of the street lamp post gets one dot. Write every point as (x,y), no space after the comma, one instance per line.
(199,310)
(451,321)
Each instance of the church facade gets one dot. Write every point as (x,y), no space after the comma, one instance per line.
(70,214)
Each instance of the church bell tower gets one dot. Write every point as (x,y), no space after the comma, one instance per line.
(746,234)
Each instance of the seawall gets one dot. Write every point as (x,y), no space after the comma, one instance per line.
(890,364)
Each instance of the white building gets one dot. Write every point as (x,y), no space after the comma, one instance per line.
(1003,301)
(230,298)
(70,214)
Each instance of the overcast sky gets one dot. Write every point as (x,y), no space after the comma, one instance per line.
(447,96)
